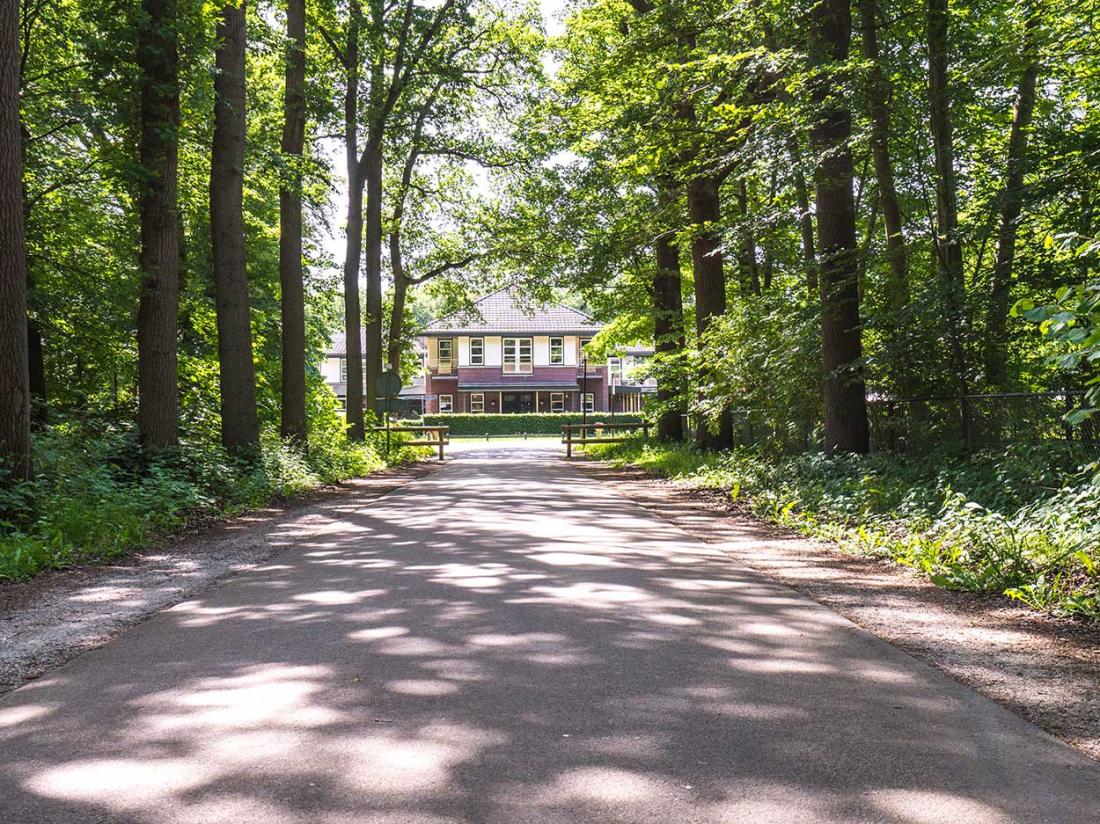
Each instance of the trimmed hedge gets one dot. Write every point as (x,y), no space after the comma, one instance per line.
(530,424)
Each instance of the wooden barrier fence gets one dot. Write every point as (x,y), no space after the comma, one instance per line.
(570,430)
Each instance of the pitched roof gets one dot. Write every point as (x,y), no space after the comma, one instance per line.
(505,311)
(338,345)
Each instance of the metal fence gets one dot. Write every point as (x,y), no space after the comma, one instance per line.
(910,425)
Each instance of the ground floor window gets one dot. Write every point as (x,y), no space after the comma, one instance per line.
(446,403)
(477,401)
(557,401)
(589,402)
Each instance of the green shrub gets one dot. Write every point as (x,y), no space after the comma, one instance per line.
(96,496)
(1023,521)
(529,424)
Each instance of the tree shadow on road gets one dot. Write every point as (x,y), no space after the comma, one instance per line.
(505,641)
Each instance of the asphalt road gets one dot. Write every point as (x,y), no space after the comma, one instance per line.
(506,641)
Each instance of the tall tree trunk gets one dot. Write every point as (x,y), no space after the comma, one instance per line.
(372,341)
(668,334)
(845,401)
(237,377)
(805,219)
(710,286)
(36,363)
(1011,206)
(948,246)
(878,97)
(158,62)
(15,422)
(397,311)
(292,304)
(353,255)
(750,272)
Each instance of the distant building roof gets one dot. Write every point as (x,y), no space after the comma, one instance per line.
(505,311)
(339,344)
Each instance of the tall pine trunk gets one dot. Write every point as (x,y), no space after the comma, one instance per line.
(805,219)
(668,335)
(397,310)
(158,63)
(845,403)
(15,421)
(237,378)
(354,251)
(372,327)
(710,287)
(878,97)
(1011,207)
(750,271)
(292,304)
(948,245)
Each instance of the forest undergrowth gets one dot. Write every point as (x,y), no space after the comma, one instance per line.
(1022,521)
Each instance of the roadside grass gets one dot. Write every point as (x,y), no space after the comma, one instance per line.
(1023,521)
(96,497)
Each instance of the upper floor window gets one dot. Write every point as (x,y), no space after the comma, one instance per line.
(477,351)
(584,357)
(557,351)
(517,356)
(446,354)
(615,370)
(344,369)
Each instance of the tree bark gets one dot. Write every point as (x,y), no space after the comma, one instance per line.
(372,338)
(397,311)
(15,422)
(237,377)
(845,404)
(354,251)
(1011,207)
(750,272)
(158,62)
(36,363)
(668,334)
(948,246)
(878,97)
(805,219)
(292,304)
(710,286)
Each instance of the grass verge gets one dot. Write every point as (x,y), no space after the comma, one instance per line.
(1024,521)
(97,497)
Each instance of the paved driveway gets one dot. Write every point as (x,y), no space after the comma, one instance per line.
(507,641)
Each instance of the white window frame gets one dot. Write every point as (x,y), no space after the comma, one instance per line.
(589,400)
(520,363)
(615,367)
(477,402)
(446,364)
(343,370)
(559,345)
(477,351)
(447,401)
(557,402)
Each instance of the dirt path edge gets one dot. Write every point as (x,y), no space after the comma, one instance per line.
(57,616)
(1043,668)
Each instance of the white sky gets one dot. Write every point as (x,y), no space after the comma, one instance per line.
(333,241)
